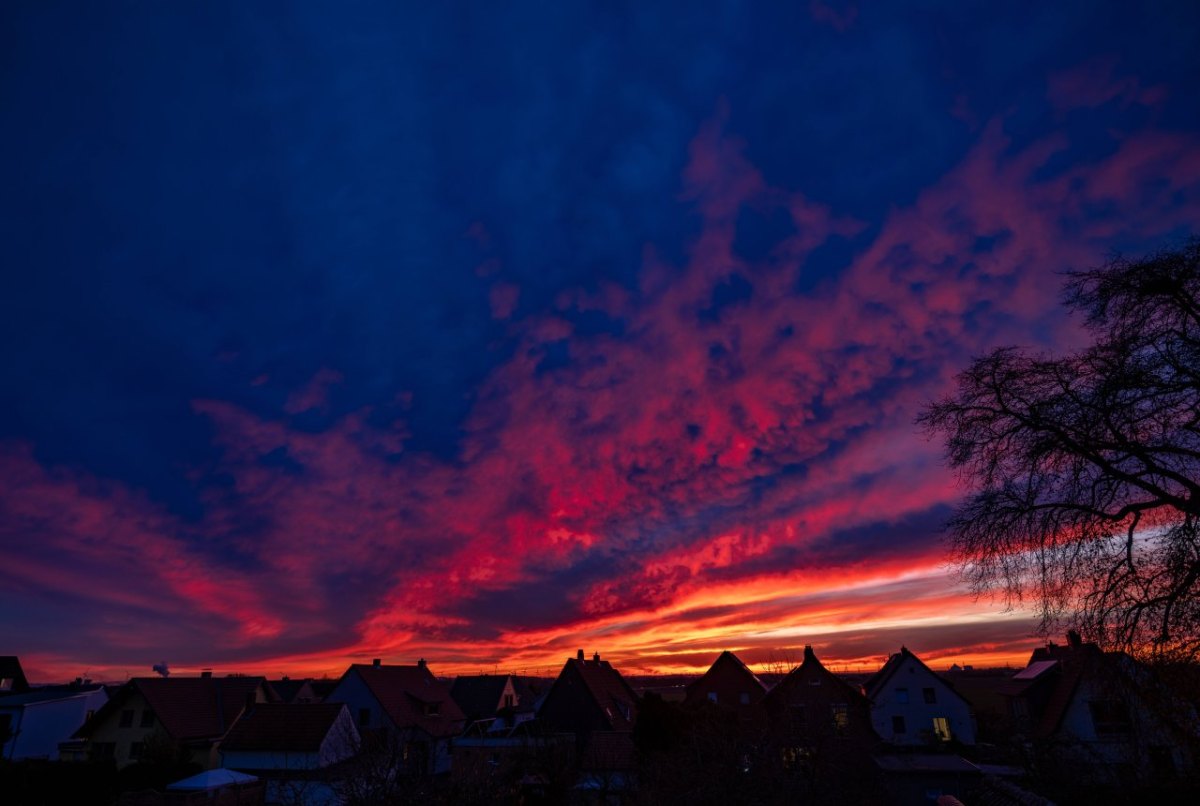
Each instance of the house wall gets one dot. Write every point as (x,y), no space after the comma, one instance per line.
(729,685)
(341,742)
(352,691)
(1117,757)
(570,706)
(38,727)
(919,715)
(110,731)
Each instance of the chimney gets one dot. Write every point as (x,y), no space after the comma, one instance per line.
(376,663)
(809,655)
(1073,639)
(421,663)
(579,655)
(206,673)
(595,657)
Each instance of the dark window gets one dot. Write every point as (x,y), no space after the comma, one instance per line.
(898,725)
(104,749)
(126,719)
(744,698)
(147,718)
(1110,718)
(364,717)
(902,696)
(930,695)
(799,718)
(508,701)
(135,751)
(5,724)
(432,708)
(712,696)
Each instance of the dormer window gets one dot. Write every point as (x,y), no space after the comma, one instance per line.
(432,708)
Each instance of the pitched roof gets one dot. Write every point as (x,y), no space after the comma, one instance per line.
(412,697)
(287,688)
(873,684)
(283,727)
(1076,661)
(809,668)
(610,691)
(478,695)
(186,707)
(727,660)
(10,668)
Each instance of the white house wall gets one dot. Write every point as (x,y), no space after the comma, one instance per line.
(40,726)
(919,715)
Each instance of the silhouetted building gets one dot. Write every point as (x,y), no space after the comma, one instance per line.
(812,705)
(912,705)
(405,706)
(185,713)
(589,696)
(1103,715)
(36,722)
(294,691)
(483,696)
(12,676)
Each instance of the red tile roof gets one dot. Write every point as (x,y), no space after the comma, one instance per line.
(283,727)
(186,707)
(616,699)
(412,697)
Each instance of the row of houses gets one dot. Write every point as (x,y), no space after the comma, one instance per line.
(382,723)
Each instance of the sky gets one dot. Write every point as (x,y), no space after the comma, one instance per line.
(483,333)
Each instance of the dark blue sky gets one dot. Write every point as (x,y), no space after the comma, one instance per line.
(384,212)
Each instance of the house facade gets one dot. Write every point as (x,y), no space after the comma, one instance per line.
(911,705)
(38,721)
(1103,715)
(149,714)
(405,707)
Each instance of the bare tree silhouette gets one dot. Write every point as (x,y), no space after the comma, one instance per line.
(1084,469)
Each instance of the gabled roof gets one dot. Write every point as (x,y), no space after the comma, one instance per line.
(186,707)
(287,688)
(10,668)
(410,695)
(875,683)
(812,669)
(283,727)
(479,695)
(1076,661)
(530,691)
(607,688)
(727,660)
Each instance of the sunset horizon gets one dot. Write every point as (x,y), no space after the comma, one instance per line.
(484,338)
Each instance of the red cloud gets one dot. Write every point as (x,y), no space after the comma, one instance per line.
(644,487)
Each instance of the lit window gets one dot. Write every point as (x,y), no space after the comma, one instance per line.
(941,728)
(902,696)
(841,716)
(6,683)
